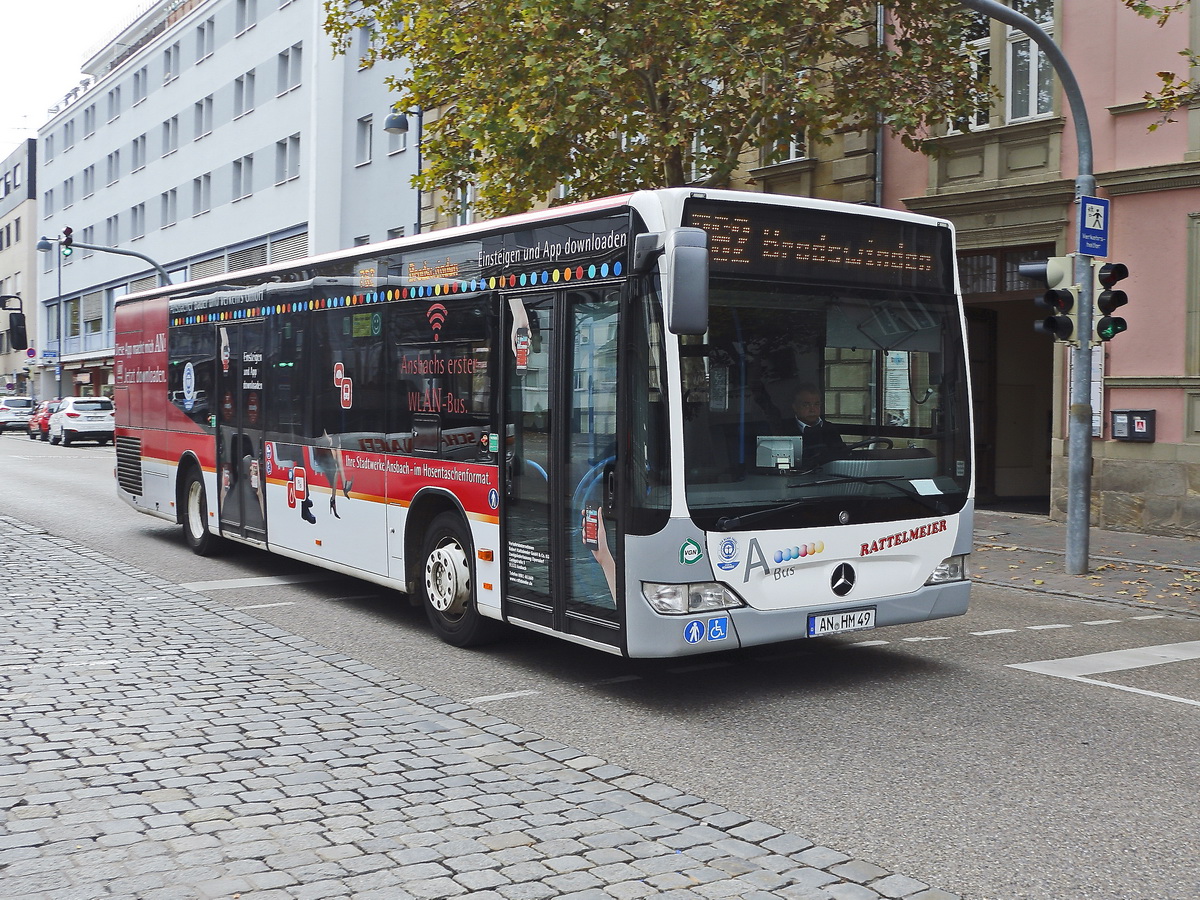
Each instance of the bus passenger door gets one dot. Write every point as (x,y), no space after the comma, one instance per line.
(561,543)
(241,482)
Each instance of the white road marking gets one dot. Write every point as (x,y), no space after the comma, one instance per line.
(264,605)
(869,643)
(1104,622)
(1045,627)
(1076,668)
(509,696)
(263,581)
(995,631)
(916,640)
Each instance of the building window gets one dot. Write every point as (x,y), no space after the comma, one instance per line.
(48,147)
(48,204)
(243,177)
(93,312)
(206,38)
(1030,73)
(245,15)
(89,237)
(203,111)
(996,271)
(68,190)
(287,159)
(113,170)
(68,135)
(170,135)
(138,153)
(289,63)
(89,181)
(114,103)
(201,194)
(393,233)
(362,240)
(397,143)
(465,202)
(141,79)
(363,140)
(137,221)
(171,63)
(170,207)
(243,94)
(112,230)
(89,121)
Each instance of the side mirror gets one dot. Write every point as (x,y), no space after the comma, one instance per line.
(18,339)
(684,271)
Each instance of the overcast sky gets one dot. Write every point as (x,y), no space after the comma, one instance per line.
(42,45)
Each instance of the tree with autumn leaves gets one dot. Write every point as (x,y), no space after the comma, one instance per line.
(603,96)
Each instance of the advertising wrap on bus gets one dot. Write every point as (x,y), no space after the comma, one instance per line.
(497,421)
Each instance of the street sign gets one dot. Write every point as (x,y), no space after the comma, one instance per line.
(1093,226)
(49,354)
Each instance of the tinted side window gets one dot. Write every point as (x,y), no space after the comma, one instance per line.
(191,372)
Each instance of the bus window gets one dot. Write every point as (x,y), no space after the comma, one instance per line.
(439,369)
(191,371)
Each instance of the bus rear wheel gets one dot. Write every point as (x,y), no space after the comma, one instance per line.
(195,516)
(447,585)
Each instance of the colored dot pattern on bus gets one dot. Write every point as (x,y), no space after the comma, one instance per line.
(524,279)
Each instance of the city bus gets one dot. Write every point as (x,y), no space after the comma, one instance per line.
(581,421)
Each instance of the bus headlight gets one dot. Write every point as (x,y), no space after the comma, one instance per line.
(952,568)
(681,599)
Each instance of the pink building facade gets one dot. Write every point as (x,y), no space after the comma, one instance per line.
(1007,181)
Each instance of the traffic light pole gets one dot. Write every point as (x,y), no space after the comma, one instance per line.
(1079,428)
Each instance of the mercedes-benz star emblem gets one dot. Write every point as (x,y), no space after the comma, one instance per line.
(842,581)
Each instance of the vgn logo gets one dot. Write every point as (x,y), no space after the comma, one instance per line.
(690,552)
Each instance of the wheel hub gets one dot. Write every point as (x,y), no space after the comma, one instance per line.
(447,579)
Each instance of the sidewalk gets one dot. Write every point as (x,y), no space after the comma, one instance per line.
(1018,550)
(158,745)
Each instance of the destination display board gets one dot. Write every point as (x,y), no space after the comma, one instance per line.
(823,246)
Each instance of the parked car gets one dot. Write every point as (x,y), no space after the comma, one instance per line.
(82,419)
(15,412)
(39,422)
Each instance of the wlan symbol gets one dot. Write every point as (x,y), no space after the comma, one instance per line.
(436,314)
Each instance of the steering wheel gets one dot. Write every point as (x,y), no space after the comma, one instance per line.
(887,443)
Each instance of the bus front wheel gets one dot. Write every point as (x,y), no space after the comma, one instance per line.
(447,587)
(195,516)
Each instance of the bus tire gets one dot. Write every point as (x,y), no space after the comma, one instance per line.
(195,516)
(446,584)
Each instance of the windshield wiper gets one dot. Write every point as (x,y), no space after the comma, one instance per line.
(725,523)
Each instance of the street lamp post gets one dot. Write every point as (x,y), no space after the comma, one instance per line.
(1079,427)
(397,123)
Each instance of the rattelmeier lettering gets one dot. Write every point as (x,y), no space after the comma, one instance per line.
(902,537)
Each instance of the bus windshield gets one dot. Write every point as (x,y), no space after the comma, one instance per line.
(806,406)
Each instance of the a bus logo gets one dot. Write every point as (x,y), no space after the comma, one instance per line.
(436,314)
(690,552)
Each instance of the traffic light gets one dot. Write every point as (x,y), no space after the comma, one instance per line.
(67,240)
(1061,298)
(1106,325)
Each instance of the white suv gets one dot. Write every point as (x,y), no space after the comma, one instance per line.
(15,412)
(82,419)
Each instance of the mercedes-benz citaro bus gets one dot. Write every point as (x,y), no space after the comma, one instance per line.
(658,424)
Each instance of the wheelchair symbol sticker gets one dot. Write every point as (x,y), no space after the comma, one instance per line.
(716,629)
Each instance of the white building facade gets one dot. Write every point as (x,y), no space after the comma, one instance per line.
(209,136)
(18,260)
